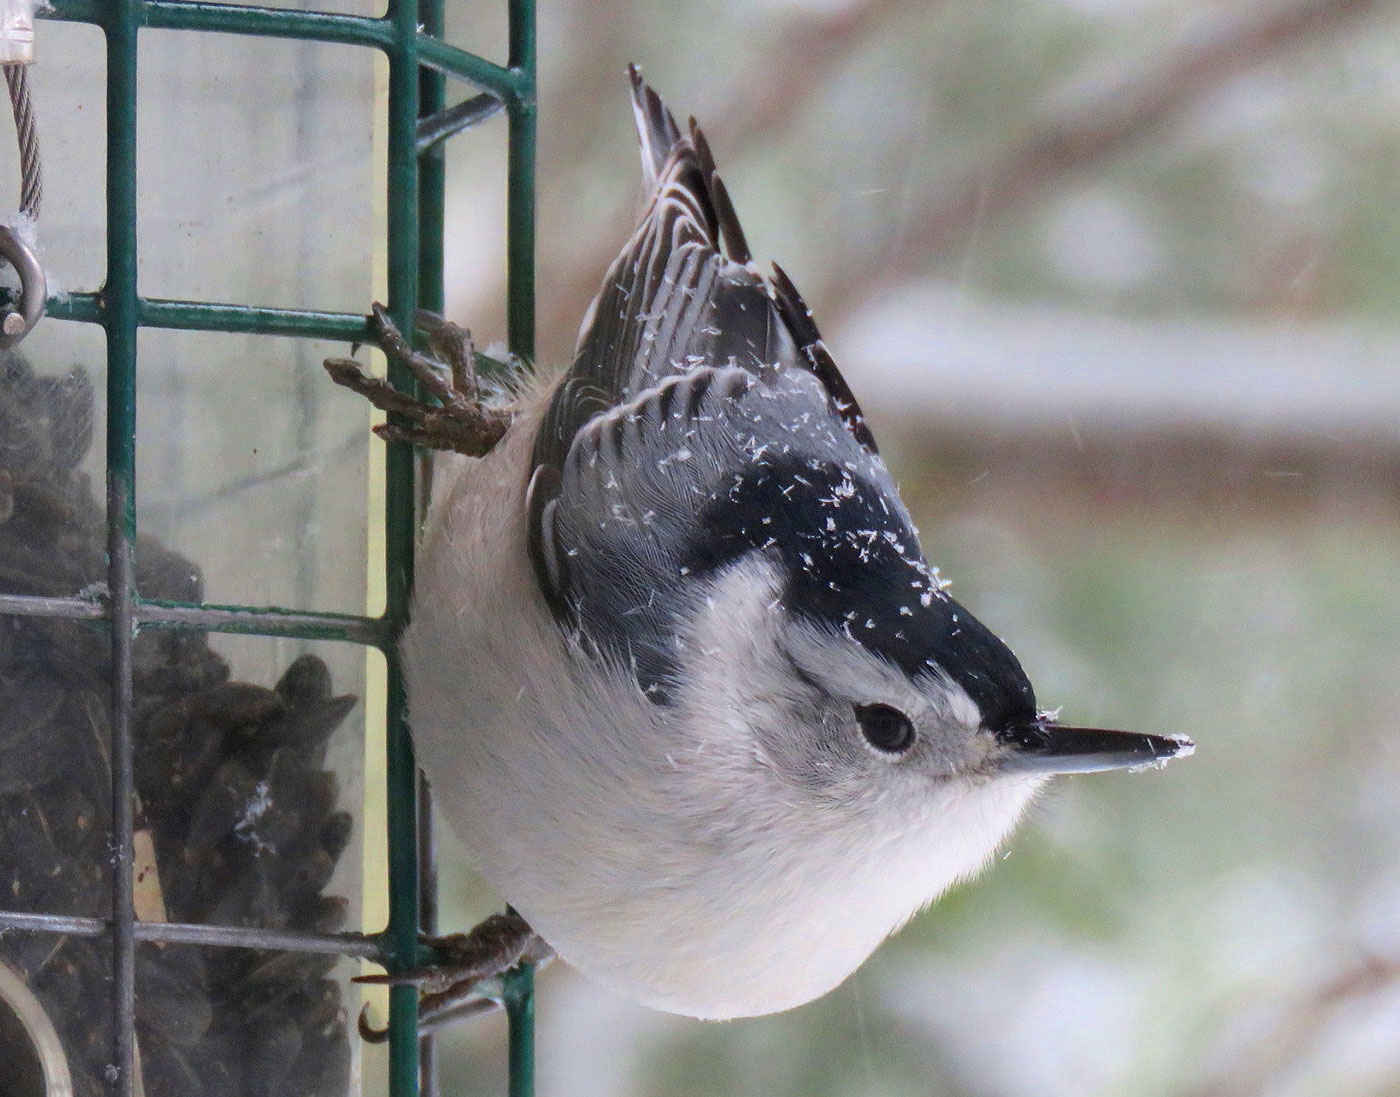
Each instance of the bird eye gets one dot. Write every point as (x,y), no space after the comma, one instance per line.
(886,728)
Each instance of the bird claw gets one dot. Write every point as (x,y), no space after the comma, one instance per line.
(458,421)
(451,988)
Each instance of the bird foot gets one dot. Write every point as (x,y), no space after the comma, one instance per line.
(458,421)
(450,988)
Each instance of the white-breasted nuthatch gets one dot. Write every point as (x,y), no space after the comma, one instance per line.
(677,668)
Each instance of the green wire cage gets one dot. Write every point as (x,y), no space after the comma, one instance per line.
(420,65)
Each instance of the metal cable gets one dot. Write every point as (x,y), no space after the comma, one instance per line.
(31,177)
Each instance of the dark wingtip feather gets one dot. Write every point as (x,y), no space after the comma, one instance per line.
(729,227)
(794,309)
(735,243)
(665,151)
(656,126)
(798,317)
(661,139)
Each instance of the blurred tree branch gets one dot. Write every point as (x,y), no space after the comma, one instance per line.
(1097,129)
(1102,126)
(812,49)
(1297,1031)
(754,105)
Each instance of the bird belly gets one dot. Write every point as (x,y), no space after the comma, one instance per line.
(649,870)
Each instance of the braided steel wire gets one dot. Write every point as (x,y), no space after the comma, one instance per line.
(31,178)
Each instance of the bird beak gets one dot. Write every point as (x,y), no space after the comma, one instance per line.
(1046,747)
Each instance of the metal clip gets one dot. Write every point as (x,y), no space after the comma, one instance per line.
(33,294)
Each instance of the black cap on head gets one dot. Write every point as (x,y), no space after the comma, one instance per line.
(854,565)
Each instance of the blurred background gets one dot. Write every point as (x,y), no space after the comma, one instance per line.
(1115,282)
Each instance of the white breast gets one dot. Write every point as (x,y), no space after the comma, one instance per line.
(646,852)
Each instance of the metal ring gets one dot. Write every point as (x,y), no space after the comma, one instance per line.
(35,1061)
(33,295)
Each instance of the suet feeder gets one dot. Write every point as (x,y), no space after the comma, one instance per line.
(170,908)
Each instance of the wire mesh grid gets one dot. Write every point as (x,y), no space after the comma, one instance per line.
(410,34)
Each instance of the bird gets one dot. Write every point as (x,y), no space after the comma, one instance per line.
(678,670)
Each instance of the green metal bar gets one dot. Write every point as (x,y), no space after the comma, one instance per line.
(75,11)
(519,1000)
(264,621)
(199,933)
(401,936)
(200,316)
(83,307)
(520,184)
(432,180)
(319,26)
(520,328)
(32,605)
(201,617)
(119,298)
(316,26)
(156,312)
(507,83)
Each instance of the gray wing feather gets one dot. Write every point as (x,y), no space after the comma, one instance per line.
(682,292)
(643,484)
(688,355)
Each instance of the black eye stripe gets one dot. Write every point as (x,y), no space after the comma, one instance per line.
(886,728)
